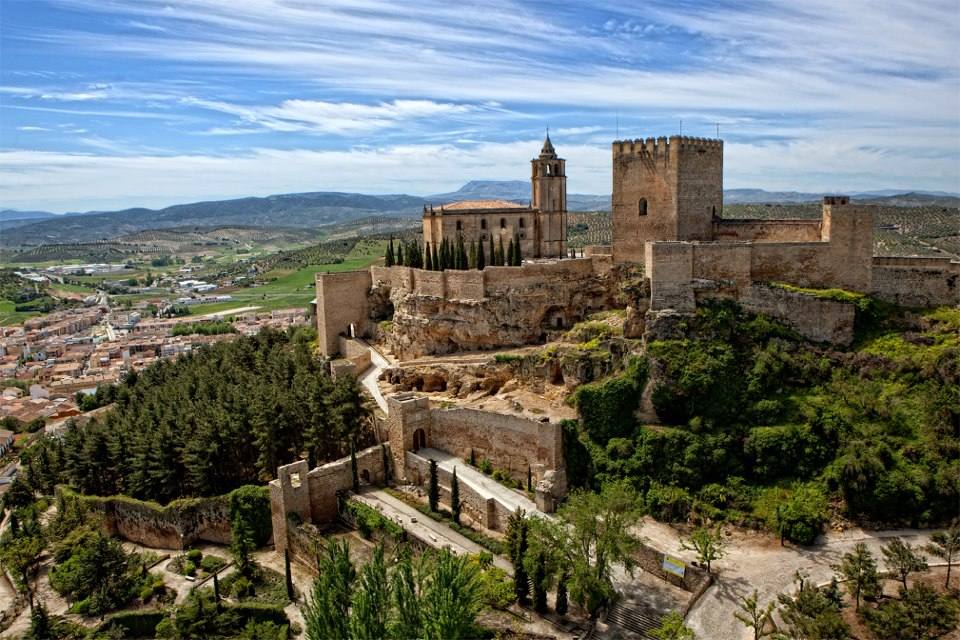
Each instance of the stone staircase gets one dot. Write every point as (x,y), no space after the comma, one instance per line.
(633,617)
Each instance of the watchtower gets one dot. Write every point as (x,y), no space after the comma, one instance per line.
(549,188)
(664,189)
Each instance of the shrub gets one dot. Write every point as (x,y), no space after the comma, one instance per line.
(668,503)
(194,555)
(188,568)
(606,406)
(211,564)
(242,587)
(486,466)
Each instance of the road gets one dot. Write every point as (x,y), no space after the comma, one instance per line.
(757,561)
(482,484)
(370,377)
(433,533)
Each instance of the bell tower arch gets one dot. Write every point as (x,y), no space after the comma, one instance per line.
(549,189)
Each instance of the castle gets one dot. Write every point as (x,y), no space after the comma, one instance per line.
(667,206)
(541,227)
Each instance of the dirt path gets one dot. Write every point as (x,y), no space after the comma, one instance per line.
(757,561)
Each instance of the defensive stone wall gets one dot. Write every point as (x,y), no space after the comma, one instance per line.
(917,282)
(174,526)
(311,494)
(342,302)
(766,230)
(817,319)
(358,354)
(487,511)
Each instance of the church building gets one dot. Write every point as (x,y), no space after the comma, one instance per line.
(541,226)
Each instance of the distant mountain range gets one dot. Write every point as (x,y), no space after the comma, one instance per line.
(317,209)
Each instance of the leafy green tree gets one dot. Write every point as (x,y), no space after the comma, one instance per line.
(450,598)
(708,544)
(946,545)
(919,614)
(756,617)
(859,570)
(594,533)
(433,490)
(41,628)
(371,600)
(455,497)
(20,494)
(802,516)
(327,612)
(98,571)
(902,559)
(21,557)
(672,628)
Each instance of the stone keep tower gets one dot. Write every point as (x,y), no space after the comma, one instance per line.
(664,189)
(549,187)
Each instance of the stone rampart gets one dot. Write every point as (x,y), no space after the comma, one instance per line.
(356,352)
(727,230)
(917,282)
(817,319)
(486,511)
(174,526)
(342,305)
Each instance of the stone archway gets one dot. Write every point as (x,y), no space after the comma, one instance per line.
(365,476)
(419,439)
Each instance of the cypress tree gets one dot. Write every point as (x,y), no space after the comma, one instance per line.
(443,255)
(461,254)
(472,263)
(529,479)
(436,260)
(481,258)
(429,266)
(560,605)
(501,256)
(493,254)
(539,582)
(388,259)
(433,494)
(510,253)
(517,255)
(289,577)
(353,469)
(216,591)
(455,497)
(521,581)
(400,254)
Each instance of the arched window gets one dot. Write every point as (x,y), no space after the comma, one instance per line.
(503,223)
(642,206)
(483,224)
(459,226)
(522,223)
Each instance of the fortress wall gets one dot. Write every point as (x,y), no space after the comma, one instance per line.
(465,285)
(767,230)
(730,262)
(429,283)
(817,319)
(397,278)
(535,274)
(325,481)
(341,301)
(356,353)
(476,506)
(916,282)
(512,444)
(669,265)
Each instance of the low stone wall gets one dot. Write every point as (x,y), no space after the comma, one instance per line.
(816,319)
(356,352)
(917,282)
(304,541)
(798,230)
(650,560)
(175,526)
(490,513)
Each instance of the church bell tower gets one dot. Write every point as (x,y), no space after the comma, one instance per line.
(549,188)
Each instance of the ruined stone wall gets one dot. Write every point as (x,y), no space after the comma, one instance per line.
(511,443)
(766,230)
(175,526)
(311,494)
(486,511)
(817,319)
(341,301)
(916,282)
(358,354)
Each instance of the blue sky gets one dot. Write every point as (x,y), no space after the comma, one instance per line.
(114,103)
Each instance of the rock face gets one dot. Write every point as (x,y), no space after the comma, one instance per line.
(510,314)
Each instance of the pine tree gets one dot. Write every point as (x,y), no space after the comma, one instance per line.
(429,266)
(859,569)
(433,494)
(371,600)
(407,622)
(510,253)
(517,254)
(388,259)
(327,612)
(455,497)
(472,262)
(481,258)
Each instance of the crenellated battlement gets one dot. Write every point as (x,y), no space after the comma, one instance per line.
(661,147)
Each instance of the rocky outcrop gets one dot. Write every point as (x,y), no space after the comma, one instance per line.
(511,314)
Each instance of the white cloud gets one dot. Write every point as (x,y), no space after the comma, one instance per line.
(32,128)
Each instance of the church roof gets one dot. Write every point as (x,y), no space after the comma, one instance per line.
(463,205)
(547,149)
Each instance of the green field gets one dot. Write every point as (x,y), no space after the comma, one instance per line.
(8,316)
(290,289)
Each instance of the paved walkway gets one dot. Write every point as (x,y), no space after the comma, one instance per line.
(369,378)
(757,561)
(482,484)
(435,534)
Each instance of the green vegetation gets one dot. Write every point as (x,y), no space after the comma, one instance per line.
(207,423)
(203,329)
(763,428)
